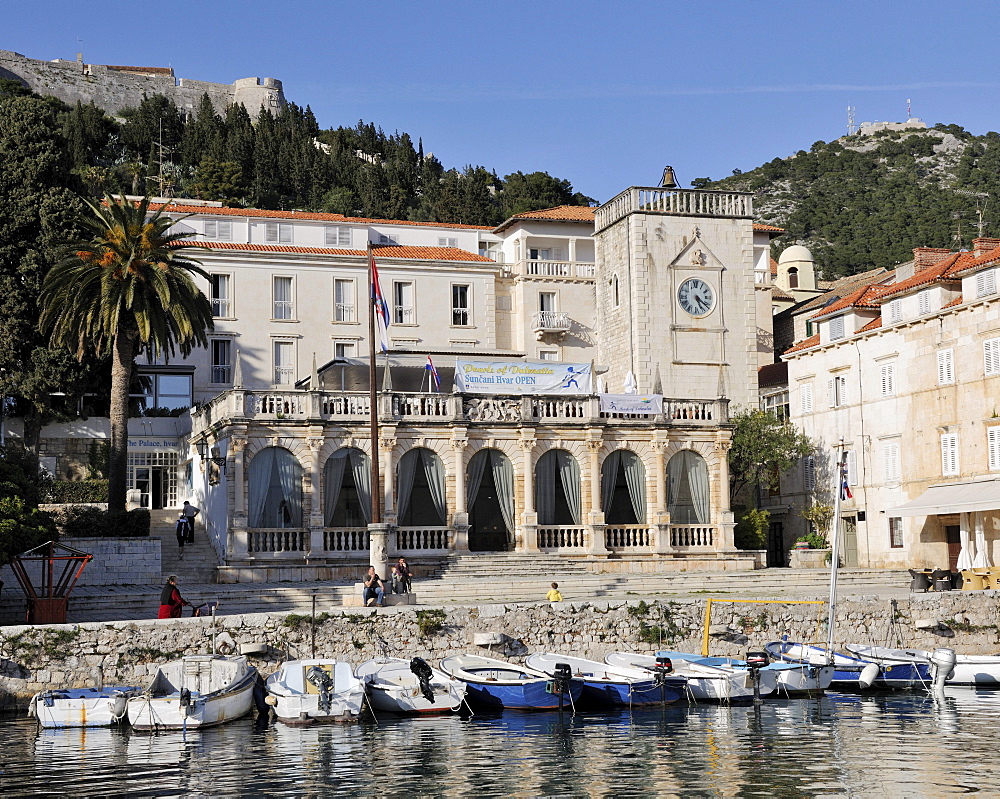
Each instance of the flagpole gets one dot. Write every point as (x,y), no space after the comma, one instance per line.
(835,548)
(373,394)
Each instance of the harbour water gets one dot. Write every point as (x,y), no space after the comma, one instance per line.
(891,745)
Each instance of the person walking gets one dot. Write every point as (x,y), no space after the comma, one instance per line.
(190,511)
(171,601)
(181,531)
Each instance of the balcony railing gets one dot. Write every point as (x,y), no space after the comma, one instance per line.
(345,540)
(551,321)
(676,202)
(631,537)
(424,539)
(275,542)
(692,535)
(563,537)
(575,270)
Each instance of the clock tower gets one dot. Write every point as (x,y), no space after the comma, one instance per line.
(675,293)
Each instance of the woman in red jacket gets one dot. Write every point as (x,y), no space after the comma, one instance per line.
(171,600)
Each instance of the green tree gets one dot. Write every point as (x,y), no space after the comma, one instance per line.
(126,287)
(22,525)
(762,448)
(537,190)
(219,180)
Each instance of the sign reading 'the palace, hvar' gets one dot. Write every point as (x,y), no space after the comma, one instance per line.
(519,377)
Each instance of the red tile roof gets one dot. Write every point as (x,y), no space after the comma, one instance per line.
(774,268)
(805,344)
(559,213)
(972,263)
(394,252)
(864,297)
(762,228)
(214,210)
(772,374)
(941,271)
(874,324)
(953,303)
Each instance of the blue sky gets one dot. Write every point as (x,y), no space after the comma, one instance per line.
(602,94)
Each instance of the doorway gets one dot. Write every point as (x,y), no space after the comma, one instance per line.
(489,530)
(776,550)
(850,545)
(154,476)
(953,535)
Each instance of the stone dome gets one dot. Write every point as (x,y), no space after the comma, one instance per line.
(795,253)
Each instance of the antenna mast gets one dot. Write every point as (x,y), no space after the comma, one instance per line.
(851,127)
(982,200)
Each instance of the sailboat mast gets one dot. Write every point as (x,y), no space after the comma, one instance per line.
(376,516)
(835,544)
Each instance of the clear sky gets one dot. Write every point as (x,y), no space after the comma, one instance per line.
(603,94)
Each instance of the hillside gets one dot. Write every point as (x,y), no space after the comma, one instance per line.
(864,201)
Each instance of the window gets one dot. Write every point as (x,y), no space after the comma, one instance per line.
(344,350)
(793,278)
(837,388)
(284,307)
(402,303)
(222,360)
(809,472)
(337,236)
(895,532)
(946,367)
(993,446)
(991,356)
(548,355)
(924,301)
(777,404)
(460,305)
(343,300)
(895,310)
(222,295)
(890,461)
(546,301)
(986,283)
(836,328)
(535,254)
(167,391)
(949,453)
(219,230)
(617,298)
(687,488)
(388,239)
(806,398)
(284,369)
(491,250)
(276,233)
(445,241)
(887,378)
(809,328)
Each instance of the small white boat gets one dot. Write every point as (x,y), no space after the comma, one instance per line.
(82,707)
(969,669)
(304,691)
(412,686)
(493,684)
(605,685)
(791,679)
(704,683)
(195,691)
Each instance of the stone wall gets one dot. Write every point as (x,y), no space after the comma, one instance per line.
(126,653)
(117,561)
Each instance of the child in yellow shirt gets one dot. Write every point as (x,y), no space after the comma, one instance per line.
(553,595)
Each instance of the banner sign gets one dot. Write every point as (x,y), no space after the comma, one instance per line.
(518,377)
(632,403)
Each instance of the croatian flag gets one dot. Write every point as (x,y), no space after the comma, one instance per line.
(434,373)
(381,309)
(845,489)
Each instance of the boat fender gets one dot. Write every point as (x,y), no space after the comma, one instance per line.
(868,675)
(271,701)
(224,648)
(423,673)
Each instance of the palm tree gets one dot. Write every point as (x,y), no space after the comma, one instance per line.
(126,287)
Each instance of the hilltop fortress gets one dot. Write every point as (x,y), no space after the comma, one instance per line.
(116,87)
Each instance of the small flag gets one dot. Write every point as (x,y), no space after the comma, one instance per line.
(381,309)
(434,373)
(845,490)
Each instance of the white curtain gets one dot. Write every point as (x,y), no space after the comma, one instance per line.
(406,472)
(434,472)
(290,479)
(697,472)
(503,479)
(982,559)
(545,488)
(258,478)
(965,554)
(635,479)
(474,476)
(569,472)
(687,482)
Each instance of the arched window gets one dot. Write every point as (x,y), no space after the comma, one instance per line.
(623,488)
(489,486)
(347,489)
(557,488)
(420,481)
(275,489)
(687,488)
(793,278)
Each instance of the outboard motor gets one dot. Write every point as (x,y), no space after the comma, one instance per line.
(661,669)
(323,681)
(185,701)
(755,662)
(942,667)
(562,674)
(423,673)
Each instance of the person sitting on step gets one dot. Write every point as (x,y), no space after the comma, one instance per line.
(374,588)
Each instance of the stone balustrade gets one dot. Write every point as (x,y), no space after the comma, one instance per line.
(692,535)
(628,537)
(675,202)
(569,270)
(563,538)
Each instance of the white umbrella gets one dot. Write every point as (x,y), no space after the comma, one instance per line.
(981,560)
(631,386)
(965,553)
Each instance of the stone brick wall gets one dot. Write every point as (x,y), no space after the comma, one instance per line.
(117,561)
(126,653)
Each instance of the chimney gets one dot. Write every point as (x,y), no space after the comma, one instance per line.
(983,246)
(926,257)
(668,181)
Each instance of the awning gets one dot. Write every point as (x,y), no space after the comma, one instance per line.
(953,498)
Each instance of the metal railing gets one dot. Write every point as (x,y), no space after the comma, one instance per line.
(551,320)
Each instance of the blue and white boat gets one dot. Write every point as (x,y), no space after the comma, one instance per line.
(790,679)
(852,673)
(768,677)
(82,707)
(613,686)
(499,685)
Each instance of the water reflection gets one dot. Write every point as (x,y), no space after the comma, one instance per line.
(839,745)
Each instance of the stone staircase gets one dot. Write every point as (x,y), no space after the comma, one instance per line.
(199,562)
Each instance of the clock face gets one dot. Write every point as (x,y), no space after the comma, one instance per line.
(696,296)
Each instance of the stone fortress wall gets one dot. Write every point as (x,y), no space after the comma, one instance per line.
(33,658)
(114,88)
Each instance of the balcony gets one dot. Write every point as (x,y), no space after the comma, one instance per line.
(551,323)
(568,270)
(673,202)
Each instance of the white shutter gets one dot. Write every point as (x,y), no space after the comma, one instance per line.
(285,234)
(986,283)
(991,356)
(271,231)
(809,472)
(806,397)
(211,229)
(888,379)
(924,300)
(895,310)
(852,468)
(842,390)
(831,390)
(993,445)
(949,453)
(836,328)
(890,457)
(225,230)
(946,367)
(338,236)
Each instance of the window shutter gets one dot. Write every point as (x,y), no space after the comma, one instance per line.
(831,388)
(991,356)
(809,472)
(949,453)
(890,455)
(284,234)
(806,397)
(836,328)
(852,468)
(211,229)
(888,374)
(993,445)
(842,390)
(985,283)
(895,310)
(271,231)
(946,371)
(225,230)
(924,298)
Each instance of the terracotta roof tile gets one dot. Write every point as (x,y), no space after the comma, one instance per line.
(874,324)
(560,213)
(214,210)
(395,252)
(762,228)
(971,263)
(940,271)
(864,297)
(772,374)
(953,303)
(774,267)
(805,344)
